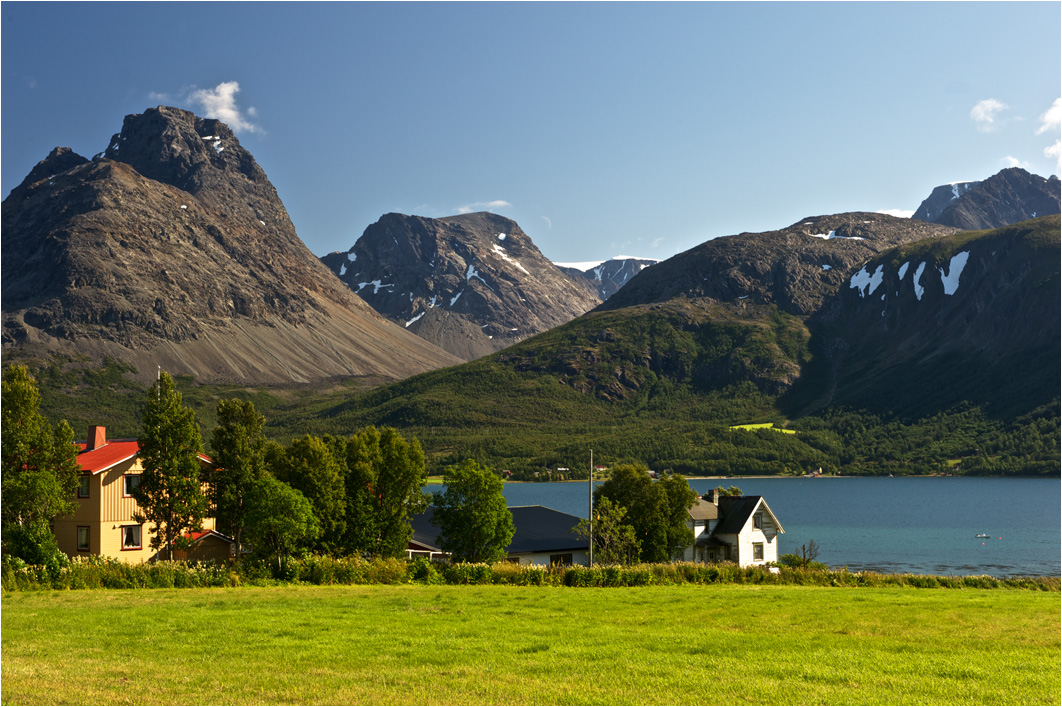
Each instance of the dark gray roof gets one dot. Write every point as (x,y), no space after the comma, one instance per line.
(541,529)
(736,511)
(538,529)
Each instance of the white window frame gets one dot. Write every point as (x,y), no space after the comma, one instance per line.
(140,537)
(757,549)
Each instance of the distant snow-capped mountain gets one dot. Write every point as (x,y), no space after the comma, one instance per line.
(608,275)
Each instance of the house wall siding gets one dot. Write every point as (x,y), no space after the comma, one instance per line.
(105,511)
(579,557)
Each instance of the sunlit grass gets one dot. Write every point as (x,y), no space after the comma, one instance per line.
(413,644)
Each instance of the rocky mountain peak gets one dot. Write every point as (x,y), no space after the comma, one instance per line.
(472,283)
(59,160)
(172,247)
(1010,196)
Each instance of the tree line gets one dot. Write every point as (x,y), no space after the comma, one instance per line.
(343,496)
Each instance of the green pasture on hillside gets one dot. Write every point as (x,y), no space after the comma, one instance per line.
(418,644)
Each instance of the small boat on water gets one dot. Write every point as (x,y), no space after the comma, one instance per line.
(982,535)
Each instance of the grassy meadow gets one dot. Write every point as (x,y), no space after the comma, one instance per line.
(422,644)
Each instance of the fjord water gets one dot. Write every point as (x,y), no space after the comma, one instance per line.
(908,524)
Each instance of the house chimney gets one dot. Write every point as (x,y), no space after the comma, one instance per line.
(712,497)
(97,437)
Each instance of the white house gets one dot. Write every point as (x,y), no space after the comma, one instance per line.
(741,529)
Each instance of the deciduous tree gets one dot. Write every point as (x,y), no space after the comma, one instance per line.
(310,466)
(238,452)
(474,523)
(279,518)
(385,474)
(39,468)
(656,510)
(614,539)
(170,494)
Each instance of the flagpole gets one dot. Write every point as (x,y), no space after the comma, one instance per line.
(591,508)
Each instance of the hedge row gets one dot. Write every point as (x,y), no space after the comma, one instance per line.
(100,573)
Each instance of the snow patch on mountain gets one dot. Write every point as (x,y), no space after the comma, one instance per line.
(866,282)
(500,252)
(955,268)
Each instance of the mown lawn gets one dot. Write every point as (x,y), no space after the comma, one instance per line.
(414,644)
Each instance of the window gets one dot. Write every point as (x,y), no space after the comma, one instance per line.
(82,538)
(132,481)
(757,521)
(83,486)
(131,537)
(757,551)
(565,559)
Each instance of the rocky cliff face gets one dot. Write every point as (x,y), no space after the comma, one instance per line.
(609,276)
(171,247)
(1011,196)
(793,268)
(471,284)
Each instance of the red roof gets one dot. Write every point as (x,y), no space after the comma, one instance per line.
(114,452)
(102,459)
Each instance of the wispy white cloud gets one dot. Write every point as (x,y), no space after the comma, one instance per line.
(549,224)
(1055,152)
(1052,118)
(1051,121)
(898,213)
(656,242)
(985,114)
(1010,161)
(160,97)
(220,103)
(483,206)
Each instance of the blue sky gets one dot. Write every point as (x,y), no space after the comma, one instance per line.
(602,129)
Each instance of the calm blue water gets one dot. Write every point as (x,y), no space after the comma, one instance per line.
(920,525)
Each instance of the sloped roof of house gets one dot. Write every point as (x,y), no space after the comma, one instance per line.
(114,452)
(736,511)
(541,529)
(538,529)
(704,510)
(203,534)
(102,458)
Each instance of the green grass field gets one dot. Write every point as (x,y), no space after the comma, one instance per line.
(415,644)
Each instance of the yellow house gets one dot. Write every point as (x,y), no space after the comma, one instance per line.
(103,522)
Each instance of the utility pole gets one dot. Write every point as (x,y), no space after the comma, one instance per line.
(591,508)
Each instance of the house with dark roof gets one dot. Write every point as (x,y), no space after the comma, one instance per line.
(543,537)
(103,522)
(741,529)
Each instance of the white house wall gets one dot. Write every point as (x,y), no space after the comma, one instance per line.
(579,557)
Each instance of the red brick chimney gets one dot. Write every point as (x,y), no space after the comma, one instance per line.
(97,437)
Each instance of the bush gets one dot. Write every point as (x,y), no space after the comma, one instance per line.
(99,573)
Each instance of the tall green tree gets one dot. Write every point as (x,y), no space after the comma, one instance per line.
(657,510)
(309,465)
(279,519)
(385,474)
(474,523)
(238,451)
(39,470)
(614,539)
(170,493)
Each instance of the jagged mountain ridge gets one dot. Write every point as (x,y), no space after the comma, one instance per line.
(1010,196)
(610,275)
(471,284)
(172,248)
(794,268)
